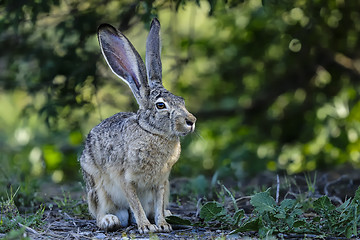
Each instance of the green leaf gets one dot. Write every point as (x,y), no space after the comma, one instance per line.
(287,203)
(349,232)
(16,234)
(280,215)
(178,221)
(237,216)
(343,207)
(299,223)
(265,232)
(290,221)
(296,212)
(211,211)
(252,225)
(232,197)
(323,204)
(263,202)
(355,222)
(357,195)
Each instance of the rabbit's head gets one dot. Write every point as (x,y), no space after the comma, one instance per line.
(161,112)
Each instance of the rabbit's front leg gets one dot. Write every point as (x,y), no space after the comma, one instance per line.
(144,225)
(160,214)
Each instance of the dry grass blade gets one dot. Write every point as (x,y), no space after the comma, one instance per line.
(29,229)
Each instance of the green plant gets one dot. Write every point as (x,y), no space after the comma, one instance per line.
(338,221)
(273,218)
(311,184)
(16,234)
(71,206)
(290,216)
(10,217)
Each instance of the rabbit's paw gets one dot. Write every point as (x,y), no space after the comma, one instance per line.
(164,227)
(148,228)
(109,222)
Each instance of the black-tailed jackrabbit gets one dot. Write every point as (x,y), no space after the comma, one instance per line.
(128,157)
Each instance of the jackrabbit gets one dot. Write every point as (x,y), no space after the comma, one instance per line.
(128,157)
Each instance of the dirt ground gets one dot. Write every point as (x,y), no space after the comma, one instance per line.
(338,184)
(62,226)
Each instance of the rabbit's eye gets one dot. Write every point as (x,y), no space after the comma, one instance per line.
(160,105)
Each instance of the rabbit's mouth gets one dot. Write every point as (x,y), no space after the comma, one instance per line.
(185,126)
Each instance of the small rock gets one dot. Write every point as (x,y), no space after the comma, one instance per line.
(100,236)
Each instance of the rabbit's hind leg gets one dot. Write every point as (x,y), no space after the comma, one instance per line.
(100,204)
(105,208)
(109,222)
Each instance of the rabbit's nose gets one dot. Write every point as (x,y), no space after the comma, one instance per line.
(190,120)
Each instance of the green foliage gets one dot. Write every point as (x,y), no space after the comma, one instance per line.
(273,218)
(178,221)
(71,206)
(343,220)
(214,211)
(274,92)
(25,197)
(16,234)
(311,184)
(273,83)
(289,216)
(10,217)
(263,203)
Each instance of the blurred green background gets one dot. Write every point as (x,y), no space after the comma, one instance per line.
(274,83)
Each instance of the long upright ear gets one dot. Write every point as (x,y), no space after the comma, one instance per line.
(124,61)
(153,52)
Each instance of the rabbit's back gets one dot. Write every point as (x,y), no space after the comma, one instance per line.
(104,143)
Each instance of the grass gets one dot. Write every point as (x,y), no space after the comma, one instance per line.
(73,207)
(11,218)
(311,183)
(23,210)
(16,234)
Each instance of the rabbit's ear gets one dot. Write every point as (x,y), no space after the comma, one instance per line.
(124,61)
(153,51)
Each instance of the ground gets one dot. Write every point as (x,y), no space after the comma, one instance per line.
(65,216)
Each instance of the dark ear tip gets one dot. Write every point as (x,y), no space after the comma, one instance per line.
(156,22)
(105,27)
